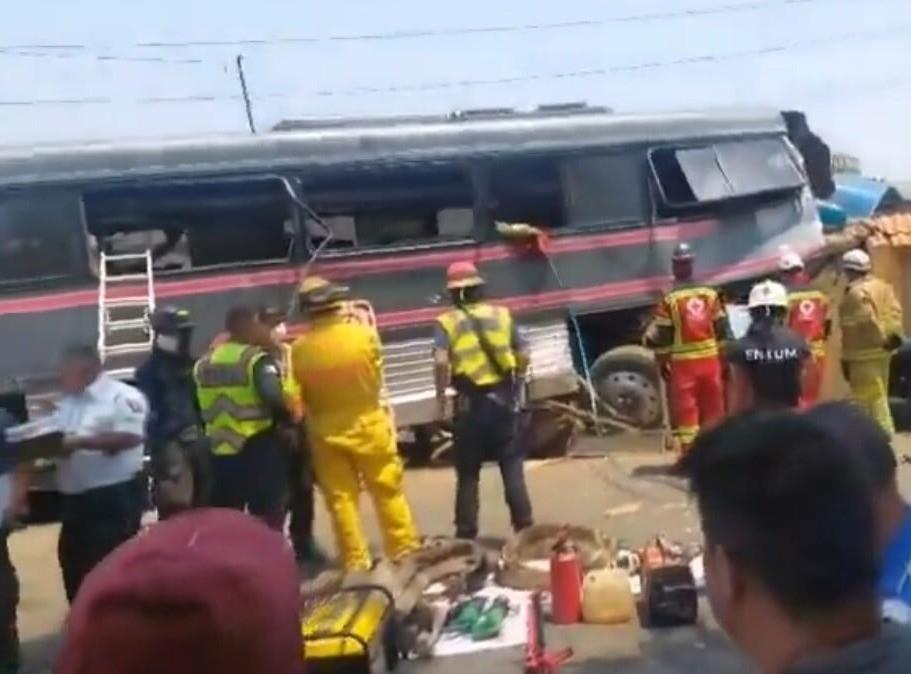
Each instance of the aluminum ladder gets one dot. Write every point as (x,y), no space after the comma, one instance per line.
(123,321)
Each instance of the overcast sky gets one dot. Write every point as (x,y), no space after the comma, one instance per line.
(846,62)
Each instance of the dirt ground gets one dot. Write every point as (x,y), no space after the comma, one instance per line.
(597,492)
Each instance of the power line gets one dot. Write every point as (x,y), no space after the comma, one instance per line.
(726,8)
(892,31)
(63,55)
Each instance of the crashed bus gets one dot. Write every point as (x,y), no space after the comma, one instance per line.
(92,237)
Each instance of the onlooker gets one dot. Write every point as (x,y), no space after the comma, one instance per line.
(208,591)
(104,422)
(791,569)
(893,514)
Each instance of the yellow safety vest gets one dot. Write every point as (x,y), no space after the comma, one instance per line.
(230,406)
(467,358)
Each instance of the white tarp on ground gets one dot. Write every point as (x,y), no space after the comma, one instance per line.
(514,633)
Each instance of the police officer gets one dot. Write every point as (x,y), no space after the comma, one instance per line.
(688,333)
(479,350)
(241,400)
(871,329)
(177,444)
(299,461)
(766,364)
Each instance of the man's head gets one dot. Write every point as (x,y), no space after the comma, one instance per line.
(856,264)
(788,524)
(319,296)
(464,282)
(274,319)
(209,591)
(873,450)
(768,301)
(243,325)
(790,267)
(682,262)
(173,330)
(79,367)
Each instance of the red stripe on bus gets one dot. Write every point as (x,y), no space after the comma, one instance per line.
(344,269)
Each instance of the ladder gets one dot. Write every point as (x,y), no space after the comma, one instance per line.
(123,321)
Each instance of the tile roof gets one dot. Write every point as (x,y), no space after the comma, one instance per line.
(887,230)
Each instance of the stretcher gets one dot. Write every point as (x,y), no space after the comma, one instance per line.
(349,630)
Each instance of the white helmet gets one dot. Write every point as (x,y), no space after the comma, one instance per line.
(768,294)
(856,260)
(790,261)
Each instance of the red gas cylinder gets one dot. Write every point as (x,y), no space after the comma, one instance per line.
(565,583)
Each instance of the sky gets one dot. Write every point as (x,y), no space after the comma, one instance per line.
(75,70)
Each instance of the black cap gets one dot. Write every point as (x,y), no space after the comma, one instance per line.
(271,315)
(170,320)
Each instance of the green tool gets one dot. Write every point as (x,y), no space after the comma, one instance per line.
(467,614)
(490,623)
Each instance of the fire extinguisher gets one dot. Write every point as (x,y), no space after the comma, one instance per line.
(565,582)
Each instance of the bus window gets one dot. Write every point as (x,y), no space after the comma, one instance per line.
(393,205)
(40,237)
(712,173)
(529,191)
(607,190)
(193,224)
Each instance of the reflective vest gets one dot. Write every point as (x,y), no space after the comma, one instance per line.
(467,358)
(230,406)
(691,312)
(869,315)
(290,388)
(808,312)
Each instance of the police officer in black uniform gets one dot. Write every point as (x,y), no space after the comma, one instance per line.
(9,581)
(766,365)
(180,458)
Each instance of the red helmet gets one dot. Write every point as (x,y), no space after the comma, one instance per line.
(463,275)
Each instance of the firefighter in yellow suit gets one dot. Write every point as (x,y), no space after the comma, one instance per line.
(338,367)
(871,327)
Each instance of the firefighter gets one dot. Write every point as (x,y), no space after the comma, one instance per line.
(338,367)
(480,351)
(688,333)
(242,403)
(808,316)
(300,468)
(767,364)
(175,436)
(871,329)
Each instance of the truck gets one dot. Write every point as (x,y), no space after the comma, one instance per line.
(94,236)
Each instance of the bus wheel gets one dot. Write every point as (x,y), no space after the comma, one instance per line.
(626,384)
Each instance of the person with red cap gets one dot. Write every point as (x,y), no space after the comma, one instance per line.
(208,591)
(479,350)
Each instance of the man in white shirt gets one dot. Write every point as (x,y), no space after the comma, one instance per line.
(103,421)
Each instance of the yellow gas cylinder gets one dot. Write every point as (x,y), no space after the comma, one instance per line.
(607,598)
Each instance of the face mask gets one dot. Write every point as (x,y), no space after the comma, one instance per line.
(169,343)
(279,332)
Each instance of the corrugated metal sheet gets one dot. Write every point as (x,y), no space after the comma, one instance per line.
(409,364)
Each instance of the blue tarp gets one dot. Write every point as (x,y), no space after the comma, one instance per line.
(861,197)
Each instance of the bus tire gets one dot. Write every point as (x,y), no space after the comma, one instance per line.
(627,384)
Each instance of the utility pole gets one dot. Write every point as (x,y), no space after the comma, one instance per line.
(246,94)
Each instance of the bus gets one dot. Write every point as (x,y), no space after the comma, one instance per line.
(384,206)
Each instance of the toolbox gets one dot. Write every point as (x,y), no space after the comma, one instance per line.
(349,631)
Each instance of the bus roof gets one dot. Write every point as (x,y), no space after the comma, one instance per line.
(366,141)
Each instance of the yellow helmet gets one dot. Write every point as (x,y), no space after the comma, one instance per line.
(316,292)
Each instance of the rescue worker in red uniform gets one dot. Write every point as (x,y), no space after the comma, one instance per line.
(808,316)
(688,333)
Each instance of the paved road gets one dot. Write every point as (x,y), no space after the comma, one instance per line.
(595,491)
